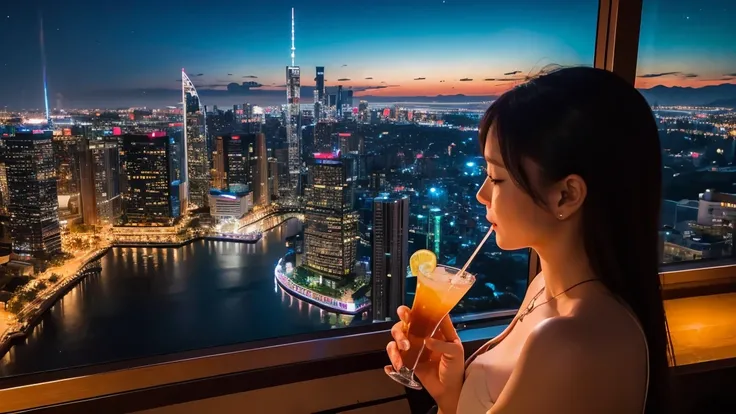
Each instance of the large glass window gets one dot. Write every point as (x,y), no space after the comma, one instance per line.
(687,71)
(374,102)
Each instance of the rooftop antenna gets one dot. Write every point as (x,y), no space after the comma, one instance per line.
(293,49)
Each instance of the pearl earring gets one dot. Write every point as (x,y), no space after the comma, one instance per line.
(560,216)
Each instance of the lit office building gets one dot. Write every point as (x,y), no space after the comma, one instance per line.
(33,204)
(282,161)
(152,196)
(717,209)
(273,177)
(331,225)
(194,160)
(66,162)
(4,195)
(293,119)
(100,182)
(390,245)
(224,205)
(353,144)
(235,162)
(259,167)
(323,141)
(319,93)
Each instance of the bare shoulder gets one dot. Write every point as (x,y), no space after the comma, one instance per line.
(597,326)
(584,351)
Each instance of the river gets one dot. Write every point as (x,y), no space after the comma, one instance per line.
(154,301)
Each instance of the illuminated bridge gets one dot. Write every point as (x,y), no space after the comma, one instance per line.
(91,268)
(270,221)
(261,220)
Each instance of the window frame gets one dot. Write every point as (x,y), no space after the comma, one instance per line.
(616,49)
(77,384)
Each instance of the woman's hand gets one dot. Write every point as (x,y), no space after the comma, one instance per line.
(442,376)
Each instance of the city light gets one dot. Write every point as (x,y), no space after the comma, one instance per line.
(252,172)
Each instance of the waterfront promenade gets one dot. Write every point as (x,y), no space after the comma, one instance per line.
(12,326)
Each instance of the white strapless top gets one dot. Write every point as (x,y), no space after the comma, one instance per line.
(475,396)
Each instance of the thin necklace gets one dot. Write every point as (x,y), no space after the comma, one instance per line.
(533,302)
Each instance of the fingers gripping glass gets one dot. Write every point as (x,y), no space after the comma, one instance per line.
(437,293)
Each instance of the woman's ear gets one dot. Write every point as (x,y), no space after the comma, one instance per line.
(567,196)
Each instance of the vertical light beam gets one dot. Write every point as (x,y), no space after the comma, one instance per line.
(43,68)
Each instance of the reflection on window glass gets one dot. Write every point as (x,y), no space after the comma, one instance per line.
(275,186)
(687,71)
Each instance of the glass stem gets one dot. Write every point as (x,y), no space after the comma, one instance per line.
(416,361)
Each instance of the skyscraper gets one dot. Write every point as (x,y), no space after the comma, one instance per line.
(339,102)
(293,118)
(320,87)
(331,232)
(319,93)
(232,162)
(66,162)
(323,136)
(390,246)
(261,191)
(152,196)
(273,177)
(194,160)
(100,178)
(34,215)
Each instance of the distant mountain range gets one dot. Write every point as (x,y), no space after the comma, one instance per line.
(456,99)
(717,95)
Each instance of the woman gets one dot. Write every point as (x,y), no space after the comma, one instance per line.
(574,172)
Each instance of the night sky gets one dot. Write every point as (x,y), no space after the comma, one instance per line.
(131,53)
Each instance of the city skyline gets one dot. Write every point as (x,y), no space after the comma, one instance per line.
(406,50)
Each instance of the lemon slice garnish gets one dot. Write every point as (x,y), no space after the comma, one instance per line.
(423,261)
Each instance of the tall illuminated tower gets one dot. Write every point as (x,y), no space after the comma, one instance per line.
(293,118)
(34,206)
(195,163)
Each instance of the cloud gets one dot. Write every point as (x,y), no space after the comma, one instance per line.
(722,78)
(372,88)
(502,79)
(250,77)
(466,80)
(658,75)
(343,65)
(368,78)
(383,81)
(199,74)
(691,75)
(235,88)
(513,72)
(730,75)
(343,79)
(229,74)
(420,78)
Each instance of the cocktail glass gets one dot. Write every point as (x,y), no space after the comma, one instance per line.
(436,295)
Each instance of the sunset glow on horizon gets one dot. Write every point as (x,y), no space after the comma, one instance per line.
(412,48)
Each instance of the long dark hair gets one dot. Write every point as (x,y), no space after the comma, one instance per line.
(593,123)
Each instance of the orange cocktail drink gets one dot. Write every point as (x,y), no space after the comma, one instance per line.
(437,293)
